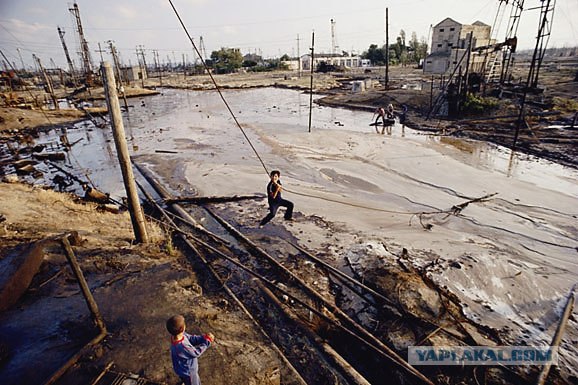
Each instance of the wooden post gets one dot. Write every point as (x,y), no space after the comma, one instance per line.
(136,214)
(558,335)
(311,84)
(48,81)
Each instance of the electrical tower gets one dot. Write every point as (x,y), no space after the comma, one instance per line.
(68,59)
(84,51)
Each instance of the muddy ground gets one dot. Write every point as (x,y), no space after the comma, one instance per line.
(118,271)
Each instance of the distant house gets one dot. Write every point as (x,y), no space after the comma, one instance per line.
(338,60)
(251,57)
(450,43)
(133,73)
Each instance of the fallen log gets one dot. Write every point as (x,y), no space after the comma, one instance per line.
(213,199)
(166,152)
(17,270)
(55,156)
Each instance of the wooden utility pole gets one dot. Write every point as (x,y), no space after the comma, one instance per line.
(48,81)
(311,84)
(386,48)
(159,69)
(120,86)
(136,214)
(184,68)
(298,58)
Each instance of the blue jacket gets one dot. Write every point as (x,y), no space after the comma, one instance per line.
(185,352)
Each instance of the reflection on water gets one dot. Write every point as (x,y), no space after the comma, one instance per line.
(516,165)
(157,121)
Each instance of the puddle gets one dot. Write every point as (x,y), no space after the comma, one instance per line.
(167,122)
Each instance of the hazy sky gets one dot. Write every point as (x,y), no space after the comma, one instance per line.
(267,27)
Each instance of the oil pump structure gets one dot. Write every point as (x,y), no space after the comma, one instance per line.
(496,67)
(68,59)
(86,59)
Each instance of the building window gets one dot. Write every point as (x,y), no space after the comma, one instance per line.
(452,29)
(450,45)
(439,45)
(441,29)
(455,62)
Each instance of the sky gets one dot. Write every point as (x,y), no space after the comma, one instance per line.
(269,28)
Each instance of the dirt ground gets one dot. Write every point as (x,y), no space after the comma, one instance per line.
(119,271)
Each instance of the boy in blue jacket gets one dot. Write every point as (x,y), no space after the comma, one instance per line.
(185,349)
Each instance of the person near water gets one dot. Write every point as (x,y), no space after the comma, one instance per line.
(390,111)
(403,115)
(380,114)
(186,349)
(275,200)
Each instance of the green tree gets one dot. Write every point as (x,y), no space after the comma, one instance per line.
(375,55)
(226,60)
(417,48)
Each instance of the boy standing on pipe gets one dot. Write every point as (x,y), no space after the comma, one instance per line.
(275,201)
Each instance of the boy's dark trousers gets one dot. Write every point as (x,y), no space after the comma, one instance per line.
(273,210)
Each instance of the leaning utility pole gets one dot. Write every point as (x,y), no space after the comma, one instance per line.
(120,87)
(158,69)
(68,59)
(84,51)
(134,208)
(49,87)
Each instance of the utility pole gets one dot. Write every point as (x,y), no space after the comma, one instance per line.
(140,66)
(311,84)
(48,81)
(159,70)
(118,73)
(184,68)
(100,51)
(386,48)
(298,58)
(134,208)
(84,51)
(69,61)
